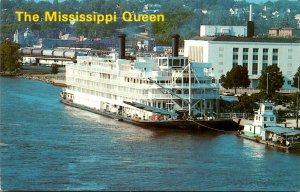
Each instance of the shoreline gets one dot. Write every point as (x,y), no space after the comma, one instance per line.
(54,79)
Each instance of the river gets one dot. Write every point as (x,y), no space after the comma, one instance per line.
(46,145)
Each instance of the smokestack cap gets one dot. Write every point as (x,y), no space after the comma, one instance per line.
(175,36)
(122,36)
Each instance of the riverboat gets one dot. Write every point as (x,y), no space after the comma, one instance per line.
(151,90)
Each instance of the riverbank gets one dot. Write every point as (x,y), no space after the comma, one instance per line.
(55,79)
(40,75)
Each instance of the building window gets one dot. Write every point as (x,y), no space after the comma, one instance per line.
(245,49)
(235,50)
(265,119)
(265,57)
(271,118)
(255,50)
(289,83)
(275,57)
(254,68)
(245,65)
(245,57)
(255,57)
(234,64)
(275,50)
(265,51)
(264,66)
(235,57)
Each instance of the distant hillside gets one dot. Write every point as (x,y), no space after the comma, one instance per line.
(182,17)
(263,1)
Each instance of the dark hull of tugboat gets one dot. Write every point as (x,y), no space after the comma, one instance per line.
(214,125)
(269,143)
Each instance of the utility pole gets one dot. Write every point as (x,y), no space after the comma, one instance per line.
(267,85)
(297,106)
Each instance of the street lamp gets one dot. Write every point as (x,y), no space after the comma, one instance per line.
(268,82)
(297,105)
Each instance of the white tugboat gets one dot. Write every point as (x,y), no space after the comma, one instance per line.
(151,90)
(264,129)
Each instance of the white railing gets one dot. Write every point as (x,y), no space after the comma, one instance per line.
(233,115)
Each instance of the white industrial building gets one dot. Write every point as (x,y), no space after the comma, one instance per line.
(218,30)
(224,52)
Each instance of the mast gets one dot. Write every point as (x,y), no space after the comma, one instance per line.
(190,81)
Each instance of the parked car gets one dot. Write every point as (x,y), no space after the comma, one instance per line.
(227,93)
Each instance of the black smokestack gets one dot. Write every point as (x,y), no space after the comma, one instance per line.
(122,46)
(250,24)
(175,45)
(250,29)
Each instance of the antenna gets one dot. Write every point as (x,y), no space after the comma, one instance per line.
(250,24)
(250,13)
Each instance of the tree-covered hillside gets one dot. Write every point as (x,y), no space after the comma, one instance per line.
(183,17)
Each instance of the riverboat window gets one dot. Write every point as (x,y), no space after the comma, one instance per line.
(164,62)
(182,62)
(170,62)
(268,108)
(159,62)
(176,63)
(265,119)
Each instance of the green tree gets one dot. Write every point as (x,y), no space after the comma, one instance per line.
(236,77)
(271,80)
(54,69)
(9,56)
(246,104)
(296,78)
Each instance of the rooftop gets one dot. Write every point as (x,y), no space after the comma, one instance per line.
(246,39)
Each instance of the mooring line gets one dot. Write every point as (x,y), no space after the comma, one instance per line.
(210,127)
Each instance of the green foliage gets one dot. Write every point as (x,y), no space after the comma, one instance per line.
(54,69)
(182,17)
(236,77)
(9,56)
(247,104)
(164,30)
(271,80)
(296,78)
